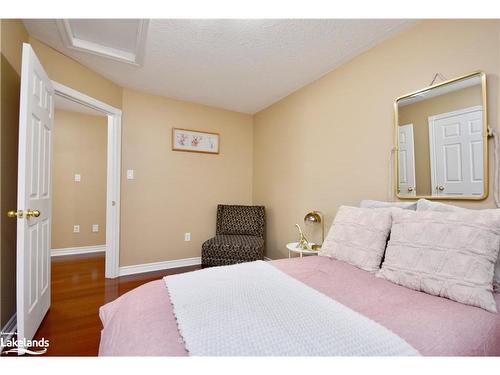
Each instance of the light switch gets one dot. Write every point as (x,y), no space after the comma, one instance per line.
(78,178)
(95,228)
(76,228)
(130,174)
(187,236)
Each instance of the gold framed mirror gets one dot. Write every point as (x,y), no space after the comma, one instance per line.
(441,141)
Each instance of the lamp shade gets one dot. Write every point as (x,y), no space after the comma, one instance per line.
(313,217)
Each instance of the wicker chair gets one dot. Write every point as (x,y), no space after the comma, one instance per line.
(239,236)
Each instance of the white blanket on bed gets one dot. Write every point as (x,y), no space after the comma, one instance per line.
(254,309)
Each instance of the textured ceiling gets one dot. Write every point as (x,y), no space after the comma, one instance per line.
(241,65)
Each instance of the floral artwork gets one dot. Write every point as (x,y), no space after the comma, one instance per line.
(182,139)
(195,141)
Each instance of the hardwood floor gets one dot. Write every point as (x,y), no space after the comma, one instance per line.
(79,288)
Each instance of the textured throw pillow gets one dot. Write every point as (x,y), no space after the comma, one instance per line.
(447,254)
(427,205)
(367,203)
(358,236)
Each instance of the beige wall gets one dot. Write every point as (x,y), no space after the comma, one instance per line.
(177,192)
(79,147)
(188,186)
(13,35)
(328,144)
(418,114)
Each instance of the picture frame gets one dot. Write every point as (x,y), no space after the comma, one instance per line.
(189,140)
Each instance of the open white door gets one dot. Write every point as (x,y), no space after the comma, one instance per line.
(406,160)
(34,195)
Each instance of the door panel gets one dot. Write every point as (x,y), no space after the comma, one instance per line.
(452,163)
(476,152)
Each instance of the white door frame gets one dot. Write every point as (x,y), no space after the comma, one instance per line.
(432,150)
(414,192)
(113,172)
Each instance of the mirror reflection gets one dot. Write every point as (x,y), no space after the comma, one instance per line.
(441,133)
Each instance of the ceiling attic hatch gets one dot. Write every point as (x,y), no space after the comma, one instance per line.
(119,39)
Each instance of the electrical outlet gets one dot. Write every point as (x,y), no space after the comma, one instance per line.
(78,178)
(76,228)
(187,236)
(95,228)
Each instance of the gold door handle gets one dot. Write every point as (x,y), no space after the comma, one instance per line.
(21,214)
(410,189)
(32,213)
(14,213)
(440,187)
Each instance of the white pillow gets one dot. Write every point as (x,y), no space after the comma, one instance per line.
(427,205)
(358,236)
(447,254)
(367,203)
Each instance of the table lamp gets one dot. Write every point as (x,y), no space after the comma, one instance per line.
(316,217)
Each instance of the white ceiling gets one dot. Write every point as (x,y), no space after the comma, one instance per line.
(237,64)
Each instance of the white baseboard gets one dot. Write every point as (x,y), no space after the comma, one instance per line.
(267,259)
(77,250)
(158,266)
(9,330)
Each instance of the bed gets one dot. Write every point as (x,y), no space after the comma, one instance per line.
(142,322)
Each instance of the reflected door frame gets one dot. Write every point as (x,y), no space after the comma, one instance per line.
(436,181)
(410,185)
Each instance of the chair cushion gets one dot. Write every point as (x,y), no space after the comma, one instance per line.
(234,246)
(243,220)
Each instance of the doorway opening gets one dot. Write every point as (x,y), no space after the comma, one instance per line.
(78,181)
(96,228)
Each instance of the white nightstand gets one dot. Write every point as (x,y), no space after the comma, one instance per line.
(292,248)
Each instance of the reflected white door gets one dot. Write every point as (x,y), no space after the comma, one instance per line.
(406,160)
(456,140)
(34,195)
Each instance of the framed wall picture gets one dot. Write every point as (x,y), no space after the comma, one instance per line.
(195,141)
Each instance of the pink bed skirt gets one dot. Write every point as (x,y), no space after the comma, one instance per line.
(141,322)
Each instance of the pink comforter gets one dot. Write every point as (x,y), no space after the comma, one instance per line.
(141,322)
